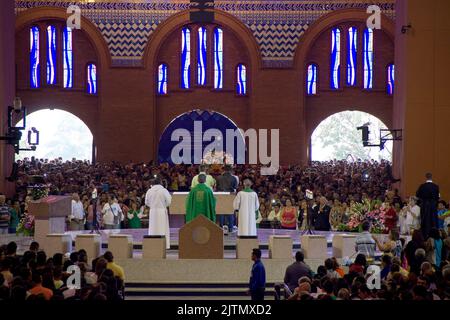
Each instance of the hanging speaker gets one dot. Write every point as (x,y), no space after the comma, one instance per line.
(201,11)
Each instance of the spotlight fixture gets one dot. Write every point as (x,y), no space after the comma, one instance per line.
(14,133)
(385,135)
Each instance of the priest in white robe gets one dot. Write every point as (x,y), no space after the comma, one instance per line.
(158,199)
(247,205)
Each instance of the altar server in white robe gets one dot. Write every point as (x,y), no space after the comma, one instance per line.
(158,199)
(247,205)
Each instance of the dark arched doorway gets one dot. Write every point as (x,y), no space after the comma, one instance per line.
(201,136)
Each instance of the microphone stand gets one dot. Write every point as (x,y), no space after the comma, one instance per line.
(308,229)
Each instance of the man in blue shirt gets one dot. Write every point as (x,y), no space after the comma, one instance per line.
(257,284)
(364,242)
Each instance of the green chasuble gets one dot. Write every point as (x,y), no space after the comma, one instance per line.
(200,201)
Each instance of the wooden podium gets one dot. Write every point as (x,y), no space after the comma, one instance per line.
(201,239)
(50,216)
(224,203)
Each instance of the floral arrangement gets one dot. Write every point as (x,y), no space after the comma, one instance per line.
(39,192)
(376,218)
(217,157)
(371,211)
(26,224)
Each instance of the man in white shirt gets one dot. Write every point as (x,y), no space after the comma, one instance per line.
(158,199)
(77,215)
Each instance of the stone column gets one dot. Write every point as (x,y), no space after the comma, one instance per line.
(422,97)
(7,88)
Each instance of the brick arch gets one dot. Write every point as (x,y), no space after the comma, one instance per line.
(179,19)
(315,126)
(43,13)
(158,39)
(328,20)
(87,119)
(90,126)
(167,123)
(312,126)
(318,108)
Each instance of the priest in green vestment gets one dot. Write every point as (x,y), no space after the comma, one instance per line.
(201,201)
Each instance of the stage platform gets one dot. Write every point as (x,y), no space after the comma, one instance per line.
(174,278)
(229,240)
(213,279)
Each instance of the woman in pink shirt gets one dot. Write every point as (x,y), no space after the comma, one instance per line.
(288,216)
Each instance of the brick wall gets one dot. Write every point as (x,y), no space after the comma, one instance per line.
(127,117)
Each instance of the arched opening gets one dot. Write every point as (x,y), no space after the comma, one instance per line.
(337,137)
(61,134)
(201,136)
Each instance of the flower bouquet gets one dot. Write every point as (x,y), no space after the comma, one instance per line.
(36,191)
(26,226)
(39,192)
(366,211)
(376,219)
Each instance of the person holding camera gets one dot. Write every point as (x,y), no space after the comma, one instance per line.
(274,215)
(112,214)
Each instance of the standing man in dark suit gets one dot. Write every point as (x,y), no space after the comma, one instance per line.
(227,183)
(428,193)
(322,215)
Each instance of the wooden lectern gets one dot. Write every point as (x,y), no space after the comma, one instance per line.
(50,216)
(201,239)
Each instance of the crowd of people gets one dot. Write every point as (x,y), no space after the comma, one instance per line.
(342,179)
(319,196)
(412,273)
(34,276)
(424,281)
(121,188)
